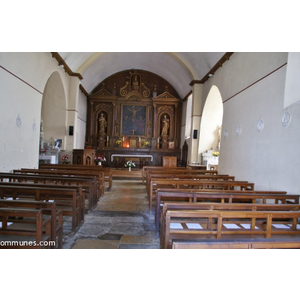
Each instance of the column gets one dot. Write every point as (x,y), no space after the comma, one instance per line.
(193,155)
(72,113)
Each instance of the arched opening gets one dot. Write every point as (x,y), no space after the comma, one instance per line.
(211,122)
(53,114)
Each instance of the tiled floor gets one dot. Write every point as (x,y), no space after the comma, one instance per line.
(121,220)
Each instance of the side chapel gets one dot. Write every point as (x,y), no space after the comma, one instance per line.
(132,115)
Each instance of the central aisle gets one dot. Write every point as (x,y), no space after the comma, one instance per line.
(121,220)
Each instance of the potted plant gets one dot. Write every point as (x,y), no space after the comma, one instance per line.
(65,159)
(216,153)
(129,164)
(99,160)
(43,150)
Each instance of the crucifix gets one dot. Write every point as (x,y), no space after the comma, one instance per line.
(133,130)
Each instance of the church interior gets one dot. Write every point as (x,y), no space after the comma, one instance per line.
(109,158)
(227,121)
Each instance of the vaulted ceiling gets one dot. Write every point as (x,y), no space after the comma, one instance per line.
(178,68)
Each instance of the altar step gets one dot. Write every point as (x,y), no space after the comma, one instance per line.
(134,173)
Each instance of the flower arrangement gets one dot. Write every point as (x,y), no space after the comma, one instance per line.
(130,164)
(65,159)
(99,159)
(216,153)
(43,150)
(118,142)
(146,143)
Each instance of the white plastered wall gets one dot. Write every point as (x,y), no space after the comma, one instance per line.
(23,77)
(255,146)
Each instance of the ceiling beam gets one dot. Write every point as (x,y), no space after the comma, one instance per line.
(213,70)
(61,62)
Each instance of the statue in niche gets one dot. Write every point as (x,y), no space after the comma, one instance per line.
(42,126)
(135,83)
(165,125)
(219,138)
(114,91)
(102,123)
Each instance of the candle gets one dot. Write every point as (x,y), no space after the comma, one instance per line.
(123,138)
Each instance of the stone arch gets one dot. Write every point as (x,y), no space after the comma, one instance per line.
(211,121)
(54,108)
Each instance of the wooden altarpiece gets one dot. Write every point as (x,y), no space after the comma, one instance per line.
(134,113)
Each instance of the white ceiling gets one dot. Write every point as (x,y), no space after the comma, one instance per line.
(178,68)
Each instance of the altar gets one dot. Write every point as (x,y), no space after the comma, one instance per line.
(120,159)
(210,161)
(115,157)
(48,159)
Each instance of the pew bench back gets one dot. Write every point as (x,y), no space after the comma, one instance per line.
(226,197)
(72,173)
(272,243)
(107,171)
(186,177)
(49,208)
(187,224)
(89,185)
(66,199)
(8,232)
(199,184)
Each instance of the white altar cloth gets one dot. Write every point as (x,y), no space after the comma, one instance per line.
(131,155)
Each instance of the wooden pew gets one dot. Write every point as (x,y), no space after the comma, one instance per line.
(161,176)
(199,184)
(217,224)
(89,185)
(180,171)
(99,177)
(107,171)
(256,197)
(49,208)
(67,199)
(71,173)
(272,243)
(152,168)
(30,239)
(222,206)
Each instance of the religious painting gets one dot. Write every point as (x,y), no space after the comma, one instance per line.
(171,145)
(58,143)
(133,120)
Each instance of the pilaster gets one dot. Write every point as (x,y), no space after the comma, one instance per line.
(197,104)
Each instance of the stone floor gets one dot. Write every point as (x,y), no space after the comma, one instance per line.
(121,220)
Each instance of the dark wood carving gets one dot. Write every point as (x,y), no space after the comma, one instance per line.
(134,111)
